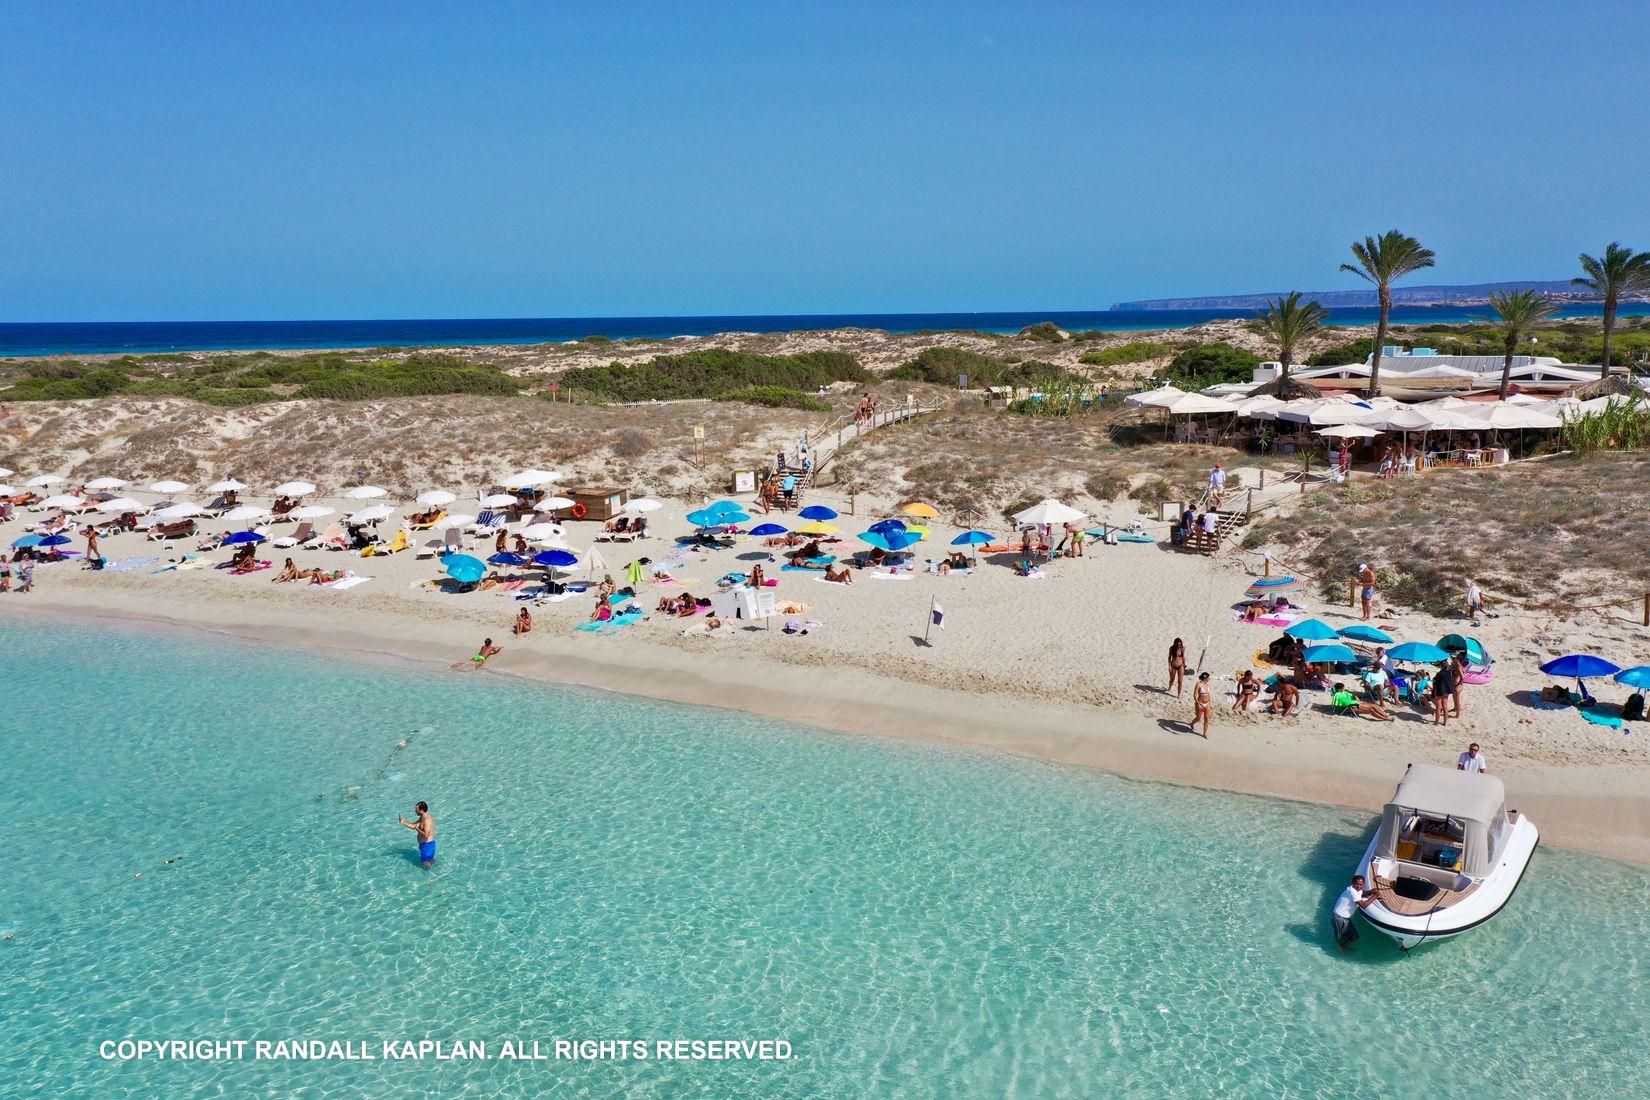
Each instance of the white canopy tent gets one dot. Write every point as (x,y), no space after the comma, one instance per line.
(1051,512)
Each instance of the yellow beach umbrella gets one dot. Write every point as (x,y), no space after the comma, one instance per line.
(818,527)
(920,532)
(918,508)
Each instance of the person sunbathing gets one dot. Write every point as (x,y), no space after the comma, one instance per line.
(603,612)
(756,580)
(617,526)
(500,544)
(524,622)
(1253,610)
(289,572)
(607,587)
(521,545)
(804,556)
(1286,700)
(491,580)
(638,526)
(1344,700)
(323,576)
(282,506)
(244,557)
(839,576)
(1248,689)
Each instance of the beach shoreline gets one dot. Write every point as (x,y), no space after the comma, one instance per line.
(1591,807)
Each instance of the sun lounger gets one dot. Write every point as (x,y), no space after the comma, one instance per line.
(427,524)
(300,534)
(394,546)
(182,529)
(487,523)
(331,539)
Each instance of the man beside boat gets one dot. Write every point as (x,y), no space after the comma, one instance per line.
(1354,897)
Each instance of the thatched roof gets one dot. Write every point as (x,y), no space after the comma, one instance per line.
(1286,389)
(1616,382)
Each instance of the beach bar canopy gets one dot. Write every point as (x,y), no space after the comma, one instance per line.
(1476,801)
(1163,395)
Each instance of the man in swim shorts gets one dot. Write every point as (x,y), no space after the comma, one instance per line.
(424,826)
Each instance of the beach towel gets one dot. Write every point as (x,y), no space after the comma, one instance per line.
(187,563)
(890,576)
(801,569)
(346,582)
(1597,716)
(1265,620)
(834,584)
(128,565)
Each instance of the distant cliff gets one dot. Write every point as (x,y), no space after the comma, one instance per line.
(1474,294)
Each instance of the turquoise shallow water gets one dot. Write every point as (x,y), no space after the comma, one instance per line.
(916,920)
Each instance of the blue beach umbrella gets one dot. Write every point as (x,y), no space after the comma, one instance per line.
(704,517)
(1638,676)
(556,559)
(766,529)
(463,568)
(1417,653)
(240,537)
(1330,655)
(28,540)
(1580,666)
(506,558)
(891,540)
(53,540)
(726,506)
(1273,582)
(887,526)
(1363,632)
(732,517)
(817,512)
(973,538)
(1312,630)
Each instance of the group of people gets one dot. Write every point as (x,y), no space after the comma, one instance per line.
(1198,530)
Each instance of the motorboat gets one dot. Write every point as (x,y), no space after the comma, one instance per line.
(1447,857)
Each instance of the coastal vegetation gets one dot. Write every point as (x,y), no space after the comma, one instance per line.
(1516,311)
(1210,365)
(778,397)
(1136,351)
(1289,323)
(712,373)
(252,378)
(1382,261)
(944,366)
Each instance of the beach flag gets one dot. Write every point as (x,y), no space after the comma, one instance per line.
(936,615)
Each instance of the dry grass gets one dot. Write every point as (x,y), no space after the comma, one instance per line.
(1562,533)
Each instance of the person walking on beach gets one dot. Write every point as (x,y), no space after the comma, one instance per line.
(423,825)
(1472,761)
(1458,674)
(1202,704)
(1475,602)
(1354,897)
(1177,666)
(1366,588)
(1217,485)
(26,577)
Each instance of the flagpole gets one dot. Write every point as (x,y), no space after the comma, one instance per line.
(929,624)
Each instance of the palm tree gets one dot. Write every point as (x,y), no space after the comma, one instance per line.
(1622,272)
(1290,322)
(1515,312)
(1383,260)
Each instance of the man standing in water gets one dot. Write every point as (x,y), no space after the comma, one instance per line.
(1353,897)
(424,826)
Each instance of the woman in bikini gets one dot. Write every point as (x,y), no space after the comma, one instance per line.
(1177,666)
(524,622)
(1202,705)
(756,577)
(839,576)
(289,572)
(1248,690)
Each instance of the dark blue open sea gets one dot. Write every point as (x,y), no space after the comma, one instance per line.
(117,337)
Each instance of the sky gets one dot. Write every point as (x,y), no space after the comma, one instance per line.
(171,161)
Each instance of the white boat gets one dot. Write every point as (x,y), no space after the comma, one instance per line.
(1447,857)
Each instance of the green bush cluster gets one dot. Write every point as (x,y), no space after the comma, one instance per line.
(942,367)
(711,373)
(1137,352)
(232,380)
(1210,365)
(778,397)
(1047,331)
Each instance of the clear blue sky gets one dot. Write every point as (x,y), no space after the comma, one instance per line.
(298,160)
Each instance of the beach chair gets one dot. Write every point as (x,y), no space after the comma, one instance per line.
(183,528)
(452,541)
(437,518)
(394,546)
(488,522)
(330,539)
(300,534)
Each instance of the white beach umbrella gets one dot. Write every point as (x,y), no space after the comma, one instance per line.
(101,483)
(500,500)
(167,487)
(244,512)
(1527,399)
(1502,416)
(535,531)
(181,510)
(458,519)
(42,481)
(1158,397)
(5,472)
(227,485)
(365,492)
(7,491)
(62,500)
(1347,431)
(1408,420)
(1442,370)
(551,504)
(122,504)
(294,489)
(372,513)
(1251,406)
(435,498)
(1446,404)
(593,560)
(310,511)
(527,479)
(642,504)
(1051,512)
(1194,404)
(1329,412)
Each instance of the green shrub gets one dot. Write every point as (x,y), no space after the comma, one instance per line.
(1047,331)
(1138,352)
(777,397)
(943,366)
(1210,365)
(712,373)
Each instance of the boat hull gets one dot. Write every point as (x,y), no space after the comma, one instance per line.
(1486,901)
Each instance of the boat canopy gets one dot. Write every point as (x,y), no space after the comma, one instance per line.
(1477,801)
